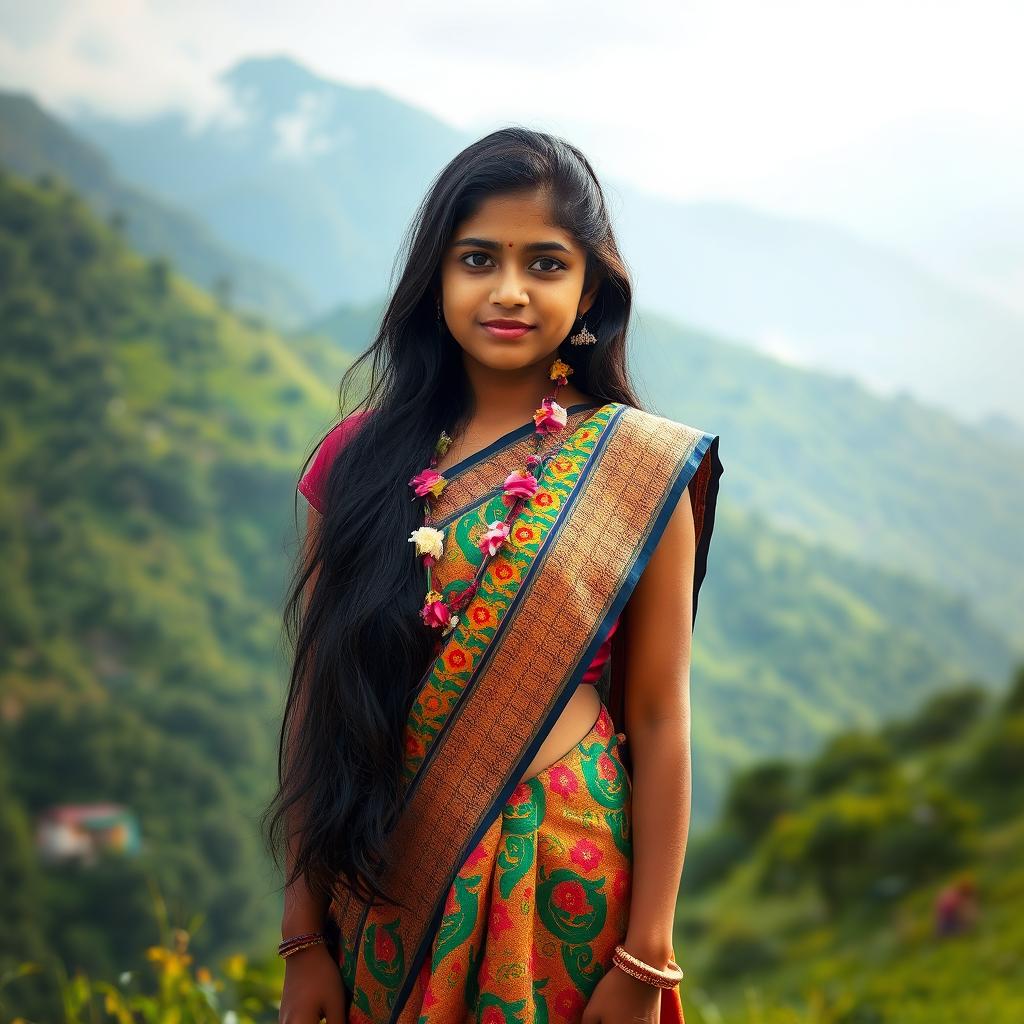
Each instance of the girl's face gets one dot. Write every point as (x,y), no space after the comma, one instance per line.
(508,262)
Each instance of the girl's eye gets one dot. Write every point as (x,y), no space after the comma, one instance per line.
(542,259)
(550,259)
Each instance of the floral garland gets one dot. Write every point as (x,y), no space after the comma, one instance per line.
(519,486)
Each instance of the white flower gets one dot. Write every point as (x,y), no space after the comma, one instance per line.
(428,541)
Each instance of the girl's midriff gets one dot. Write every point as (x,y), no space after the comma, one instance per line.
(575,721)
(577,717)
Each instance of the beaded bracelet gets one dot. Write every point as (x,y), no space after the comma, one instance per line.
(299,942)
(636,968)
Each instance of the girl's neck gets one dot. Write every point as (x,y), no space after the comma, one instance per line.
(511,396)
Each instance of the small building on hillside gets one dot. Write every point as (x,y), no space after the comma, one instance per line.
(81,831)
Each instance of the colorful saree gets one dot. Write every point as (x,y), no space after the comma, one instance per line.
(516,893)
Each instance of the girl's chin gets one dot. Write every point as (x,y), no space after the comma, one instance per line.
(502,350)
(511,358)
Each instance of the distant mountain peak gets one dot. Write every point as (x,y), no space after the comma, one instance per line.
(276,74)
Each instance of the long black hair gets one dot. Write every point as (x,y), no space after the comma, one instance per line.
(359,644)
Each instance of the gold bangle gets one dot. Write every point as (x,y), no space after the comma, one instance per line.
(636,968)
(298,947)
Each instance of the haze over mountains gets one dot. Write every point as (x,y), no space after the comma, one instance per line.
(296,175)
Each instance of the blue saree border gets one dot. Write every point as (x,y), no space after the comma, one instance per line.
(684,474)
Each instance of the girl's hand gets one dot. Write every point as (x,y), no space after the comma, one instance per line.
(619,998)
(313,989)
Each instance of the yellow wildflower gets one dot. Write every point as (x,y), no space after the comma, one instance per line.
(559,368)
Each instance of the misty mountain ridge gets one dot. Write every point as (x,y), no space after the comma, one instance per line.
(297,175)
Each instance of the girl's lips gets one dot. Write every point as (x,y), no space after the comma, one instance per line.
(506,332)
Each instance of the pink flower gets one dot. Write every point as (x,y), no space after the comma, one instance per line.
(428,481)
(563,781)
(550,417)
(570,897)
(494,537)
(436,613)
(520,484)
(520,794)
(587,854)
(606,767)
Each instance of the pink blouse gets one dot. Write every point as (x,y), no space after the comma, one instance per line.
(312,484)
(593,672)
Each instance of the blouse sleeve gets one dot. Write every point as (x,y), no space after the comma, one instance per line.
(313,484)
(703,490)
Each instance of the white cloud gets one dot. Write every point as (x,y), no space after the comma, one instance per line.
(302,133)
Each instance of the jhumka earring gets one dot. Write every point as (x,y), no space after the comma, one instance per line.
(583,336)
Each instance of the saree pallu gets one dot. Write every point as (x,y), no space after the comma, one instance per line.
(514,894)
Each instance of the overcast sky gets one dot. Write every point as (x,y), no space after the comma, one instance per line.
(901,120)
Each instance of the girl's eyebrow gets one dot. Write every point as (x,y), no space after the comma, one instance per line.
(487,243)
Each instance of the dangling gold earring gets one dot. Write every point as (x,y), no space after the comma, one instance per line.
(583,336)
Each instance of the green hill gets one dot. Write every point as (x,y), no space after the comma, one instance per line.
(34,143)
(816,896)
(894,482)
(149,448)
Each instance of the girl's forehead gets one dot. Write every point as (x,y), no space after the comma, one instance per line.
(513,210)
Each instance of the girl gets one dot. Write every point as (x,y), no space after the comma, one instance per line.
(499,584)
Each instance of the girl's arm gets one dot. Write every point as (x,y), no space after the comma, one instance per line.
(303,912)
(657,711)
